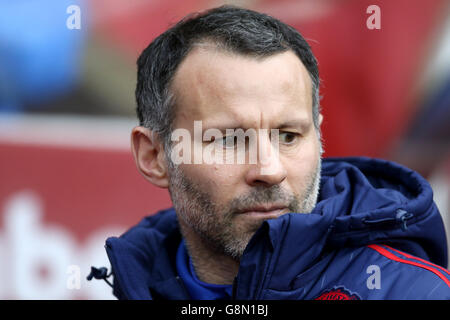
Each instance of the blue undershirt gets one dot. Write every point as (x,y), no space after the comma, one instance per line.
(199,290)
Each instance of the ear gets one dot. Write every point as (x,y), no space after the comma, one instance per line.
(320,119)
(148,153)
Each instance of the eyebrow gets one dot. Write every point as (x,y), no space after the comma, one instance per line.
(300,123)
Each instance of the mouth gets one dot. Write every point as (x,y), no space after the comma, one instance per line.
(267,212)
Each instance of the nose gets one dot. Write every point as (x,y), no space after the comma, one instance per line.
(268,170)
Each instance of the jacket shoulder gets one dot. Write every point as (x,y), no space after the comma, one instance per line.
(405,276)
(380,272)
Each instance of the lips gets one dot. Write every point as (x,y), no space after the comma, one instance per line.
(267,211)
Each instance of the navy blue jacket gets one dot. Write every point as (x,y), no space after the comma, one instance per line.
(372,235)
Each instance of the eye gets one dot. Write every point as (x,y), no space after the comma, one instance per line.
(227,141)
(288,137)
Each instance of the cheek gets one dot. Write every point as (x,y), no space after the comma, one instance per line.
(217,180)
(302,166)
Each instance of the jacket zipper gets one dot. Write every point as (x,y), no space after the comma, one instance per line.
(181,283)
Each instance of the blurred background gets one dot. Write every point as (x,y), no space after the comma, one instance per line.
(67,79)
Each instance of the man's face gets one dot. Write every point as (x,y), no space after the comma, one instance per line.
(224,204)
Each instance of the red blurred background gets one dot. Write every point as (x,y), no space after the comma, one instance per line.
(68,179)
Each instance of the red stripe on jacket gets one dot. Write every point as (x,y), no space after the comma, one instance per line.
(391,256)
(418,259)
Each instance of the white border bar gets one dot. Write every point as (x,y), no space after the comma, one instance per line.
(92,132)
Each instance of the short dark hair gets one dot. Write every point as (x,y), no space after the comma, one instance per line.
(234,29)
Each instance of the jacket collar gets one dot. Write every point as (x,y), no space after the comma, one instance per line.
(143,259)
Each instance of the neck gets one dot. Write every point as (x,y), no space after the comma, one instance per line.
(210,266)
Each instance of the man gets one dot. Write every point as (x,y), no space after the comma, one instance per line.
(287,226)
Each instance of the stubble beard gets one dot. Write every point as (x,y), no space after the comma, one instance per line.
(216,224)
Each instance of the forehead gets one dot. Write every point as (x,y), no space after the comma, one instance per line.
(211,84)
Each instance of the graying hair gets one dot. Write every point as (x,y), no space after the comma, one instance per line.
(231,28)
